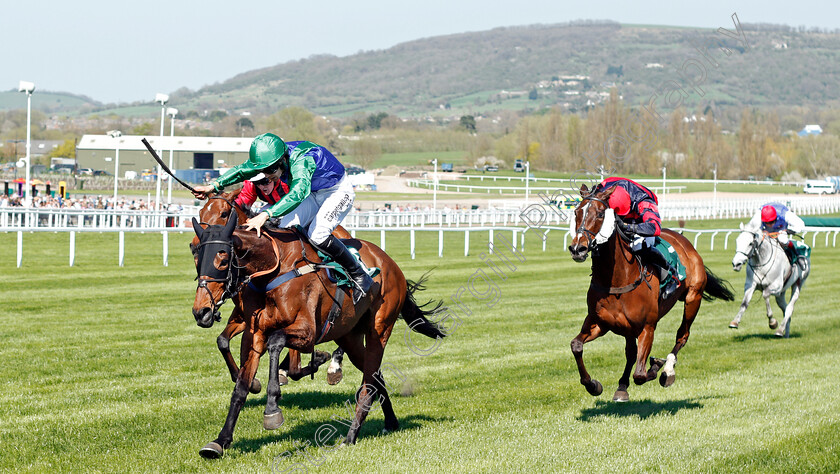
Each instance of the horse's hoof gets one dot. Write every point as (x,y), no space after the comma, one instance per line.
(667,380)
(211,450)
(734,325)
(656,364)
(389,429)
(779,333)
(273,421)
(773,323)
(594,388)
(334,377)
(256,386)
(621,396)
(282,378)
(322,357)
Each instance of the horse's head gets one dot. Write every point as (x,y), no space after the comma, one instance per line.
(746,245)
(213,248)
(593,224)
(218,209)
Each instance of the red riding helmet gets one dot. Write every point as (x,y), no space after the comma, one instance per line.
(620,201)
(768,214)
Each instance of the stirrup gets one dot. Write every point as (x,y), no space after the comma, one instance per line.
(358,291)
(675,283)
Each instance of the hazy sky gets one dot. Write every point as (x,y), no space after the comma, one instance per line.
(122,52)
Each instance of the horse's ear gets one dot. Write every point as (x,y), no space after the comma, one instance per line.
(231,223)
(742,226)
(197,228)
(584,190)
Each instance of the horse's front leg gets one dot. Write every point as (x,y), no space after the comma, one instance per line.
(645,342)
(784,329)
(590,331)
(771,321)
(749,289)
(289,367)
(334,374)
(273,417)
(234,327)
(295,368)
(253,345)
(630,350)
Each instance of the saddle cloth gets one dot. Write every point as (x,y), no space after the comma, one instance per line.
(672,257)
(338,275)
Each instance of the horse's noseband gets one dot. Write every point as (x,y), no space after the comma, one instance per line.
(228,277)
(590,236)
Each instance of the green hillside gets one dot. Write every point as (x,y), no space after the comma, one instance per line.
(521,68)
(498,69)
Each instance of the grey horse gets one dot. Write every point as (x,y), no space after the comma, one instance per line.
(769,270)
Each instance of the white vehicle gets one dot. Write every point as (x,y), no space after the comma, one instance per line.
(815,186)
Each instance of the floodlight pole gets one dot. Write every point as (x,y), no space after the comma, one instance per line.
(434,187)
(664,170)
(527,180)
(162,99)
(714,192)
(172,112)
(28,88)
(116,134)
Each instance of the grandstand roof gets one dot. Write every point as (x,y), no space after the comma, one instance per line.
(197,144)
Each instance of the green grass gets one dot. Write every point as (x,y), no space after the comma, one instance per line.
(105,371)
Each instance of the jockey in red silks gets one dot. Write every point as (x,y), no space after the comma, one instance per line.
(776,219)
(637,208)
(263,188)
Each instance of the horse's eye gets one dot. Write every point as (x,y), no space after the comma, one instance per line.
(221,260)
(601,215)
(225,214)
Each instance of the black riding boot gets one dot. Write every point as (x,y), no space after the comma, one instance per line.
(339,253)
(654,256)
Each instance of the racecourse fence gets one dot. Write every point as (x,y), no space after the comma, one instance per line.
(516,240)
(514,214)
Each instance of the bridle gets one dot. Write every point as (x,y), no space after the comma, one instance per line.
(229,277)
(755,244)
(591,236)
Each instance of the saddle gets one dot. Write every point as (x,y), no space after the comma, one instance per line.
(672,257)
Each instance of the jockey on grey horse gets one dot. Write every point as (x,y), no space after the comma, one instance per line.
(766,248)
(780,222)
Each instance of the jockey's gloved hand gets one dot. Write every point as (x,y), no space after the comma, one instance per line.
(783,237)
(625,227)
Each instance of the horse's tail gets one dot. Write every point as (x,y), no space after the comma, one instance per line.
(717,287)
(415,315)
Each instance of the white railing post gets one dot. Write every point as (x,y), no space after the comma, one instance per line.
(72,247)
(491,241)
(121,256)
(411,244)
(19,248)
(467,242)
(382,239)
(440,243)
(165,248)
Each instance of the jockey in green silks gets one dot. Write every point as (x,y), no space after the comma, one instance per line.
(319,195)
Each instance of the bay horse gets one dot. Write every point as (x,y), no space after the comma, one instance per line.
(769,270)
(299,312)
(216,211)
(623,295)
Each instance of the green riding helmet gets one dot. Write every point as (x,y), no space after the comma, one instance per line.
(266,151)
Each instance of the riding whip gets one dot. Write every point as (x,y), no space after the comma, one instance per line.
(162,165)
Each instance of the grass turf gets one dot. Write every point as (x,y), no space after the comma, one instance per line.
(105,371)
